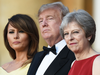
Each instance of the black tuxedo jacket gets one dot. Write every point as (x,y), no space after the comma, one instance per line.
(60,65)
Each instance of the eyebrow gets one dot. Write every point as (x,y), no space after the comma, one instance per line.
(49,16)
(11,29)
(39,18)
(46,16)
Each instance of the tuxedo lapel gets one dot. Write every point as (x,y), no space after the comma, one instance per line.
(59,62)
(60,65)
(35,63)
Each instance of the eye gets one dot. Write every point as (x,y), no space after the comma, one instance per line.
(11,32)
(21,31)
(49,18)
(40,21)
(65,34)
(76,32)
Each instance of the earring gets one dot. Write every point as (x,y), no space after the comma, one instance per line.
(88,39)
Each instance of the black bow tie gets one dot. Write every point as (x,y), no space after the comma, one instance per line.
(52,49)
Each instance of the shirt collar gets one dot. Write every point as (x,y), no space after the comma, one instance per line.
(59,46)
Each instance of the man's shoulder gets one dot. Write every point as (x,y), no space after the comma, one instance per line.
(66,51)
(66,48)
(38,53)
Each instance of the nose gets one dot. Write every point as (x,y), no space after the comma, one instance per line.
(44,23)
(16,35)
(71,37)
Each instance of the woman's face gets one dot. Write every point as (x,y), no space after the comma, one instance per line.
(18,39)
(75,37)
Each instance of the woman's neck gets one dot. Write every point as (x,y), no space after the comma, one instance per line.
(85,54)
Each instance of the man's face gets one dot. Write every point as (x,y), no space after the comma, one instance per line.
(49,21)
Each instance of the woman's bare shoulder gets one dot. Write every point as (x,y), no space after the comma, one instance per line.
(97,59)
(96,66)
(4,66)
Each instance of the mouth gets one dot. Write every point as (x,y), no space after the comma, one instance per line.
(72,43)
(46,30)
(16,42)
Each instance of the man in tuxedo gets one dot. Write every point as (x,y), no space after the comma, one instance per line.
(50,17)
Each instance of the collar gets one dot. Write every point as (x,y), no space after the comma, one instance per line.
(59,46)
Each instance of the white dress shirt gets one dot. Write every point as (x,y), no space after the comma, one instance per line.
(48,59)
